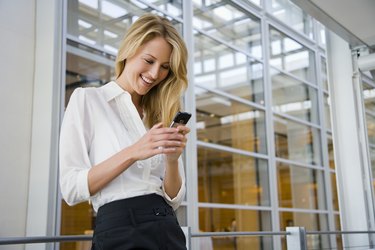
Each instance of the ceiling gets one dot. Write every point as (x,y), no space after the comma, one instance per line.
(353,20)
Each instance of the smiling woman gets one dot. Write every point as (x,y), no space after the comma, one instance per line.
(117,150)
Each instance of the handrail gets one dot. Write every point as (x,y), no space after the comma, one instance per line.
(67,238)
(340,232)
(62,238)
(219,234)
(43,239)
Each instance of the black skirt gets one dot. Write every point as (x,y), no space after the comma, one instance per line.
(142,222)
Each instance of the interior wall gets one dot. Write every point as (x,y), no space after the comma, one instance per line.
(17,42)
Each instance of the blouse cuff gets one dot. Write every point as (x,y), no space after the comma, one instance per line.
(176,201)
(82,184)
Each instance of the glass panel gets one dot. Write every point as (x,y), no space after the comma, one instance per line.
(223,20)
(327,111)
(331,157)
(230,123)
(339,244)
(173,8)
(257,2)
(324,73)
(293,97)
(311,222)
(300,187)
(292,15)
(103,23)
(291,56)
(219,67)
(372,158)
(321,34)
(297,142)
(226,220)
(370,120)
(335,199)
(225,177)
(369,97)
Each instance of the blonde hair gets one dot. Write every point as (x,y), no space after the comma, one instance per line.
(164,100)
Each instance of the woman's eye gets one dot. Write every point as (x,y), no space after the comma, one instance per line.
(165,66)
(149,61)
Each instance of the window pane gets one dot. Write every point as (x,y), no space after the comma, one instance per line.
(369,97)
(335,200)
(327,111)
(223,20)
(291,56)
(321,34)
(331,157)
(226,220)
(311,222)
(292,15)
(225,177)
(103,24)
(338,228)
(223,121)
(370,119)
(324,73)
(293,97)
(300,187)
(297,142)
(225,69)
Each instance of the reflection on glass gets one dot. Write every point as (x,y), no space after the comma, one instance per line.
(335,199)
(327,111)
(293,97)
(369,97)
(324,73)
(103,23)
(297,142)
(300,187)
(311,222)
(331,157)
(291,56)
(227,220)
(225,21)
(292,15)
(223,121)
(217,66)
(225,177)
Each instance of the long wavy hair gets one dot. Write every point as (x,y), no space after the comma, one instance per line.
(163,100)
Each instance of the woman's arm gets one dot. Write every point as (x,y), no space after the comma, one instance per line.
(157,140)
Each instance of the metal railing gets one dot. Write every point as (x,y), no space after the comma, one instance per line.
(295,237)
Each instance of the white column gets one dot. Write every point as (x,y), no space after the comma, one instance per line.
(351,163)
(41,212)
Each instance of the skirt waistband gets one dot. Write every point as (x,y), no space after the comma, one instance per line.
(132,211)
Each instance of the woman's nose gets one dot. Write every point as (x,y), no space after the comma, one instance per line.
(154,71)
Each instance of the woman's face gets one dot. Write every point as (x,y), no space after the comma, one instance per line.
(148,67)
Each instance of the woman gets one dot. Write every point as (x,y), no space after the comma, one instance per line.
(117,150)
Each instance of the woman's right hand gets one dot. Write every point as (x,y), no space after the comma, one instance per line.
(158,140)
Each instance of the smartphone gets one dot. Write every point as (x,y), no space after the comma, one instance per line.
(180,118)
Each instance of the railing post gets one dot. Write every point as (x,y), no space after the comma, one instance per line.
(296,239)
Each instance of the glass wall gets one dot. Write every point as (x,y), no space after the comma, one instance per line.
(264,140)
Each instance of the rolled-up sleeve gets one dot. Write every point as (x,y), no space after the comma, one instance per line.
(74,150)
(176,201)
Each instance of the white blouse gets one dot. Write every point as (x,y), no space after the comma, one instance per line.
(98,123)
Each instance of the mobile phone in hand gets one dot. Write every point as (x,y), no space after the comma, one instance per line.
(181,118)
